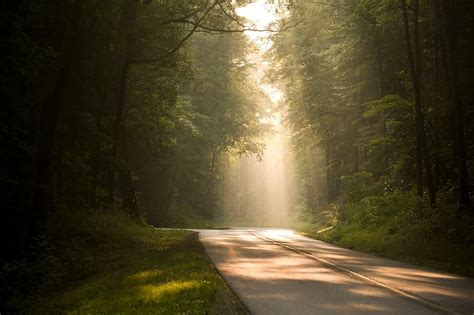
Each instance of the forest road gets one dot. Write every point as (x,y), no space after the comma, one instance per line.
(278,272)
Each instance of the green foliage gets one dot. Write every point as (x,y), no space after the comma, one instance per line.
(396,226)
(217,114)
(388,103)
(359,186)
(372,210)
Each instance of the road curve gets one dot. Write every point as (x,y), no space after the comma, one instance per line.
(279,272)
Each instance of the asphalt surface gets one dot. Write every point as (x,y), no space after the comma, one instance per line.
(279,272)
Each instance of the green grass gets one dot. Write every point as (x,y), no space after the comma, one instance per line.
(109,265)
(409,244)
(395,225)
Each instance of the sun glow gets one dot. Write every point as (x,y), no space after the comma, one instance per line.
(266,183)
(260,16)
(260,13)
(272,92)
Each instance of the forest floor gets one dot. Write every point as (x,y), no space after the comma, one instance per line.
(111,265)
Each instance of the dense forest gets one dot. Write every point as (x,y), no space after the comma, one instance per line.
(380,104)
(111,105)
(384,89)
(152,109)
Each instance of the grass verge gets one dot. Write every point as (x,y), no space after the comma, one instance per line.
(109,265)
(396,225)
(407,246)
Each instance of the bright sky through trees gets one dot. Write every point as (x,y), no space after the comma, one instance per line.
(270,177)
(262,15)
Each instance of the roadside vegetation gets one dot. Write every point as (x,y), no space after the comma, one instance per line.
(394,225)
(108,264)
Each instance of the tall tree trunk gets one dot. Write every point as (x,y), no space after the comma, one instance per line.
(379,62)
(450,36)
(170,187)
(415,82)
(102,89)
(243,194)
(43,182)
(414,63)
(212,182)
(419,74)
(356,148)
(127,189)
(435,77)
(381,90)
(127,32)
(329,170)
(96,161)
(445,65)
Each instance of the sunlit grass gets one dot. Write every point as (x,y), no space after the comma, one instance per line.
(147,281)
(153,292)
(149,295)
(143,276)
(132,270)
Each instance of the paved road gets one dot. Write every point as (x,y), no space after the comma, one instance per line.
(279,272)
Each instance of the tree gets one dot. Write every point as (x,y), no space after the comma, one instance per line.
(451,41)
(414,61)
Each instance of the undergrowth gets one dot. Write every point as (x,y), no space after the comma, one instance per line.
(397,226)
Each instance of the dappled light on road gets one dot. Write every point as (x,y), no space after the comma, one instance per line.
(271,279)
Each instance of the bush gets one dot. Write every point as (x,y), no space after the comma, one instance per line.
(358,186)
(399,226)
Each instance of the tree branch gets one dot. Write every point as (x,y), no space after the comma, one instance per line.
(197,26)
(233,18)
(239,30)
(198,21)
